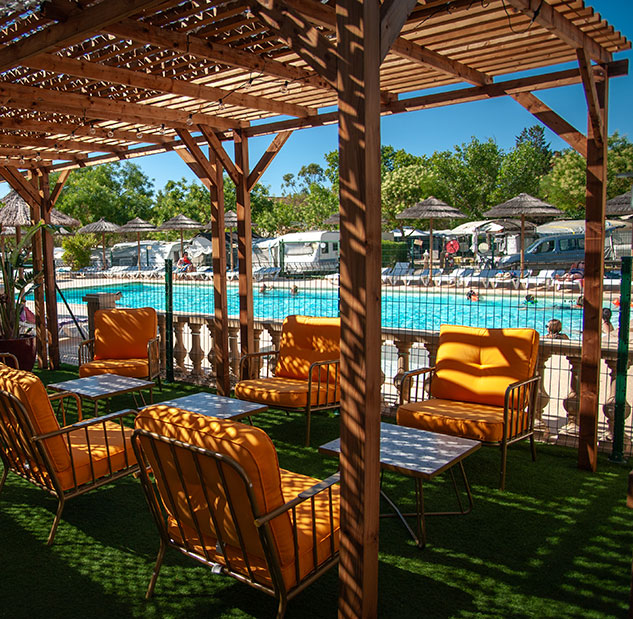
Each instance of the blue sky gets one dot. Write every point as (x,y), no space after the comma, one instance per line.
(439,129)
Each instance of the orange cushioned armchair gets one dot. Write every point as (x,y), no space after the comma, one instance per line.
(65,461)
(306,368)
(124,343)
(482,387)
(217,494)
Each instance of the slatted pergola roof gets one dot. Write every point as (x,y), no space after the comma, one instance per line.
(92,81)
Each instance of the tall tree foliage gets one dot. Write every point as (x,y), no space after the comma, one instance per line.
(116,191)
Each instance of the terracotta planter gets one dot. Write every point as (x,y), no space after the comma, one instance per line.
(23,348)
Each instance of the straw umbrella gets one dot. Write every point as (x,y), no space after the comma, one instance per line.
(181,222)
(137,225)
(101,227)
(524,205)
(431,209)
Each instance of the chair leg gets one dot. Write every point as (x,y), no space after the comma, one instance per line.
(308,428)
(58,516)
(533,447)
(159,562)
(281,609)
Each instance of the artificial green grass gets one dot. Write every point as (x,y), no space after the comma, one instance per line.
(557,543)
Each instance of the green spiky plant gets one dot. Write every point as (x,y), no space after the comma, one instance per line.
(17,283)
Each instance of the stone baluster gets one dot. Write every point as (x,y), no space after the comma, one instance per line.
(211,354)
(570,403)
(196,354)
(404,352)
(234,350)
(542,397)
(179,347)
(608,408)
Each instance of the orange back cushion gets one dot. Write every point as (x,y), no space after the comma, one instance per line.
(305,340)
(29,389)
(477,364)
(124,333)
(250,447)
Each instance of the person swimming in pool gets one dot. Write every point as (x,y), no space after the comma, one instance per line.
(472,296)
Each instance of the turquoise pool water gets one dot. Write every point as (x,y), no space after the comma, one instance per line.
(401,309)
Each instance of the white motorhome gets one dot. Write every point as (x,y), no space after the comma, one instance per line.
(303,252)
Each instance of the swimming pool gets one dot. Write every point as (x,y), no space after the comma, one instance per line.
(401,309)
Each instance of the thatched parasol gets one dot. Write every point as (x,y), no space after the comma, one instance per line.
(431,209)
(137,225)
(101,227)
(524,206)
(333,220)
(181,222)
(621,205)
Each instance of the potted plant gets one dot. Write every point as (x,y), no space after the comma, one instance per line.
(17,283)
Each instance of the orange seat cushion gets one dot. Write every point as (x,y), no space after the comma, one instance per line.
(477,365)
(136,368)
(30,391)
(466,419)
(306,340)
(286,392)
(253,450)
(124,333)
(111,440)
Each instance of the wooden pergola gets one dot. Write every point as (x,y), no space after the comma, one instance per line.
(91,81)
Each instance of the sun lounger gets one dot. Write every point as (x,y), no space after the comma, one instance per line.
(478,279)
(450,279)
(419,278)
(396,274)
(265,273)
(543,278)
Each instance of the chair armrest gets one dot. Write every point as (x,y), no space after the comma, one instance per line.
(67,394)
(8,356)
(407,379)
(515,402)
(325,383)
(245,359)
(86,351)
(85,424)
(300,498)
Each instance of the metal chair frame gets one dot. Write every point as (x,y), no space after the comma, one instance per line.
(22,451)
(323,386)
(520,398)
(154,481)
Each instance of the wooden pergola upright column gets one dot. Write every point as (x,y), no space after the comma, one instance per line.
(358,36)
(594,271)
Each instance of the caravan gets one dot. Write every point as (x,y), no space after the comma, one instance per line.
(308,252)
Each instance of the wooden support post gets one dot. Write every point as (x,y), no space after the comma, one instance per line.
(594,270)
(218,246)
(244,243)
(358,35)
(49,275)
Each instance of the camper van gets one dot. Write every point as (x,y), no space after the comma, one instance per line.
(305,252)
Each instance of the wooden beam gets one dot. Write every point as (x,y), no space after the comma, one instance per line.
(86,107)
(429,58)
(244,245)
(189,159)
(235,172)
(223,54)
(220,304)
(49,143)
(44,154)
(207,170)
(551,119)
(547,16)
(59,185)
(25,189)
(299,35)
(393,15)
(358,36)
(73,131)
(591,95)
(137,79)
(75,28)
(592,302)
(266,159)
(50,293)
(324,15)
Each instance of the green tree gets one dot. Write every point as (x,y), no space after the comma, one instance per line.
(520,172)
(535,137)
(77,250)
(116,191)
(179,197)
(565,185)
